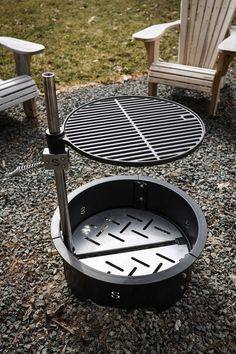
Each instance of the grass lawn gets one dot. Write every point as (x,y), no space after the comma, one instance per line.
(86,40)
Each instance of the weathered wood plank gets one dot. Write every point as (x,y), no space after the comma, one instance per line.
(17,79)
(186,74)
(154,32)
(225,26)
(15,85)
(183,35)
(180,84)
(218,33)
(20,46)
(185,68)
(17,90)
(197,32)
(203,33)
(211,30)
(180,78)
(22,99)
(19,93)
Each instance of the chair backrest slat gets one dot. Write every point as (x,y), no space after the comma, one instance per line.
(188,10)
(204,24)
(183,38)
(216,13)
(223,31)
(205,28)
(195,27)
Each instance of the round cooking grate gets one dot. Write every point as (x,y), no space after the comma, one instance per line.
(133,130)
(129,242)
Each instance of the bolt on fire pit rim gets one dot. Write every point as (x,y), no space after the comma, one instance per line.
(177,269)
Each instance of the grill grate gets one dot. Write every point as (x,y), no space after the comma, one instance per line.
(133,130)
(129,242)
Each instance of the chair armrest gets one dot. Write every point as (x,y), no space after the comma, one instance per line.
(20,46)
(229,44)
(22,51)
(154,32)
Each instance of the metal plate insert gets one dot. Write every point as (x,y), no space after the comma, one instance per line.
(129,242)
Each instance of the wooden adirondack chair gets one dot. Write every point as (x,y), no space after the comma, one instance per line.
(20,89)
(204,53)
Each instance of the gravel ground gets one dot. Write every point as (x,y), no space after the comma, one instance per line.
(39,314)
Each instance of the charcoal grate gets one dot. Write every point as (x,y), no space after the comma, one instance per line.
(129,242)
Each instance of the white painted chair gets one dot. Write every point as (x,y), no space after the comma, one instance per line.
(22,88)
(207,45)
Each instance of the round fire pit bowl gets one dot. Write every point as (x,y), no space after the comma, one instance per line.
(135,240)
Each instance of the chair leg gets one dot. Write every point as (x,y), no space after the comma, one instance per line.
(215,97)
(30,108)
(222,67)
(152,88)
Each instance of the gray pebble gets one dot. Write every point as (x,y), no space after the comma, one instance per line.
(203,319)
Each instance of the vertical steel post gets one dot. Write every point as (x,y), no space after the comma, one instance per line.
(54,129)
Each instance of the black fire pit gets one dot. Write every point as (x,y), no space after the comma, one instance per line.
(135,240)
(126,241)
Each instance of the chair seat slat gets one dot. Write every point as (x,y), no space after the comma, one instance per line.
(182,84)
(184,69)
(17,90)
(14,80)
(15,86)
(181,78)
(19,100)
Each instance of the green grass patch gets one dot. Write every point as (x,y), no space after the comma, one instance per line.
(86,41)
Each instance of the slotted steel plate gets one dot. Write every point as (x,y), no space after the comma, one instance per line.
(133,130)
(129,242)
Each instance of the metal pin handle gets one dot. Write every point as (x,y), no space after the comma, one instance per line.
(51,102)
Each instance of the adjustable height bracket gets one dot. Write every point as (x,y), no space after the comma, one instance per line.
(55,161)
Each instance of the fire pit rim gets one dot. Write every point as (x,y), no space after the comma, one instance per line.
(177,269)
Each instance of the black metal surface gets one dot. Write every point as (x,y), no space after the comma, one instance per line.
(175,217)
(133,130)
(55,142)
